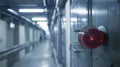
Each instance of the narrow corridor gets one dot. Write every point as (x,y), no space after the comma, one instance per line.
(40,57)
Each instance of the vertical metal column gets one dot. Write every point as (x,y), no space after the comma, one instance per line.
(89,12)
(67,33)
(90,25)
(59,37)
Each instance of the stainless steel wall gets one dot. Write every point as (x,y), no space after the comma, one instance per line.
(84,14)
(80,55)
(107,13)
(104,13)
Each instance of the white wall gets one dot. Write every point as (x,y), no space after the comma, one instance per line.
(10,37)
(31,34)
(37,35)
(22,39)
(3,41)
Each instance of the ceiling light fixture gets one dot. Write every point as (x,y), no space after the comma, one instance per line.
(31,10)
(39,19)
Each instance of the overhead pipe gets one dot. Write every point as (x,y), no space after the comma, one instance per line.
(59,5)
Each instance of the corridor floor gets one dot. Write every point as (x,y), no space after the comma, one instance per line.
(40,57)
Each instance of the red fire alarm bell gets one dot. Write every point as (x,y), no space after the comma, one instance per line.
(92,38)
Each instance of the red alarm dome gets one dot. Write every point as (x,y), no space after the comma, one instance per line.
(92,38)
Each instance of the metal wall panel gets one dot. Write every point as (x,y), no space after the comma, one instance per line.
(106,13)
(100,18)
(80,56)
(63,35)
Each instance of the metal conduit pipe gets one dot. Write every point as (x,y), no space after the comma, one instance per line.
(59,5)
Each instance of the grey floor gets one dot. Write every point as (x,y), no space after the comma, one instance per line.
(40,57)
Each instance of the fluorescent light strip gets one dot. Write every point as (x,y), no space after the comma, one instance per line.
(31,10)
(42,22)
(39,19)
